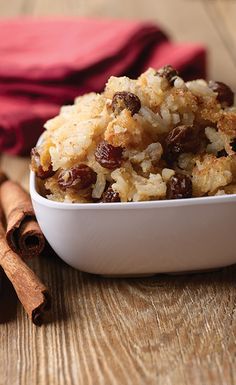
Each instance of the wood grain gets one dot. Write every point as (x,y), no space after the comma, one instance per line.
(172,330)
(158,330)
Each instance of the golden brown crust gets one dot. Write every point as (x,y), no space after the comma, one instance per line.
(209,109)
(227,123)
(211,173)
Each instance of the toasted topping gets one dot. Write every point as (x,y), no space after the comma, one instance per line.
(227,124)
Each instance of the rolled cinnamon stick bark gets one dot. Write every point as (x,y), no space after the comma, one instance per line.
(23,234)
(32,293)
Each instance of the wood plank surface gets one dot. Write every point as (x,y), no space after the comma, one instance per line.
(175,330)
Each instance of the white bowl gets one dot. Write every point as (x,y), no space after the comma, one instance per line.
(140,238)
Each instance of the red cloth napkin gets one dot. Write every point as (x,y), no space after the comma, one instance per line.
(47,62)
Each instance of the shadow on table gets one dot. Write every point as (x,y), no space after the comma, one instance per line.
(223,275)
(198,284)
(8,301)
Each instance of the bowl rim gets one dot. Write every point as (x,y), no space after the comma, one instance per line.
(126,205)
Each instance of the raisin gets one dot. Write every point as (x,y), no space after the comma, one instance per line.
(78,177)
(221,153)
(108,156)
(169,73)
(233,145)
(224,93)
(181,139)
(179,186)
(37,167)
(42,174)
(125,100)
(110,196)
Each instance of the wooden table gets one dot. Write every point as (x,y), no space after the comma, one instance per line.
(162,330)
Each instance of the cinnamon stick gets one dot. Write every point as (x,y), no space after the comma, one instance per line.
(32,293)
(23,234)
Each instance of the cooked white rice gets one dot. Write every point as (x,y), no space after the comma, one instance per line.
(71,139)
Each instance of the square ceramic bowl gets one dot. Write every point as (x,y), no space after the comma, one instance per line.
(140,238)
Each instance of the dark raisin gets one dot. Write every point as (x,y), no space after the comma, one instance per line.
(125,100)
(169,73)
(224,93)
(233,145)
(78,177)
(179,186)
(37,167)
(221,153)
(108,156)
(181,139)
(42,174)
(110,196)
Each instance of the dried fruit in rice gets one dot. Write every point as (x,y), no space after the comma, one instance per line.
(78,177)
(154,137)
(110,196)
(169,73)
(125,100)
(181,139)
(224,93)
(108,156)
(179,186)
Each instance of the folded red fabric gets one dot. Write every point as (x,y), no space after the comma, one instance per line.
(47,62)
